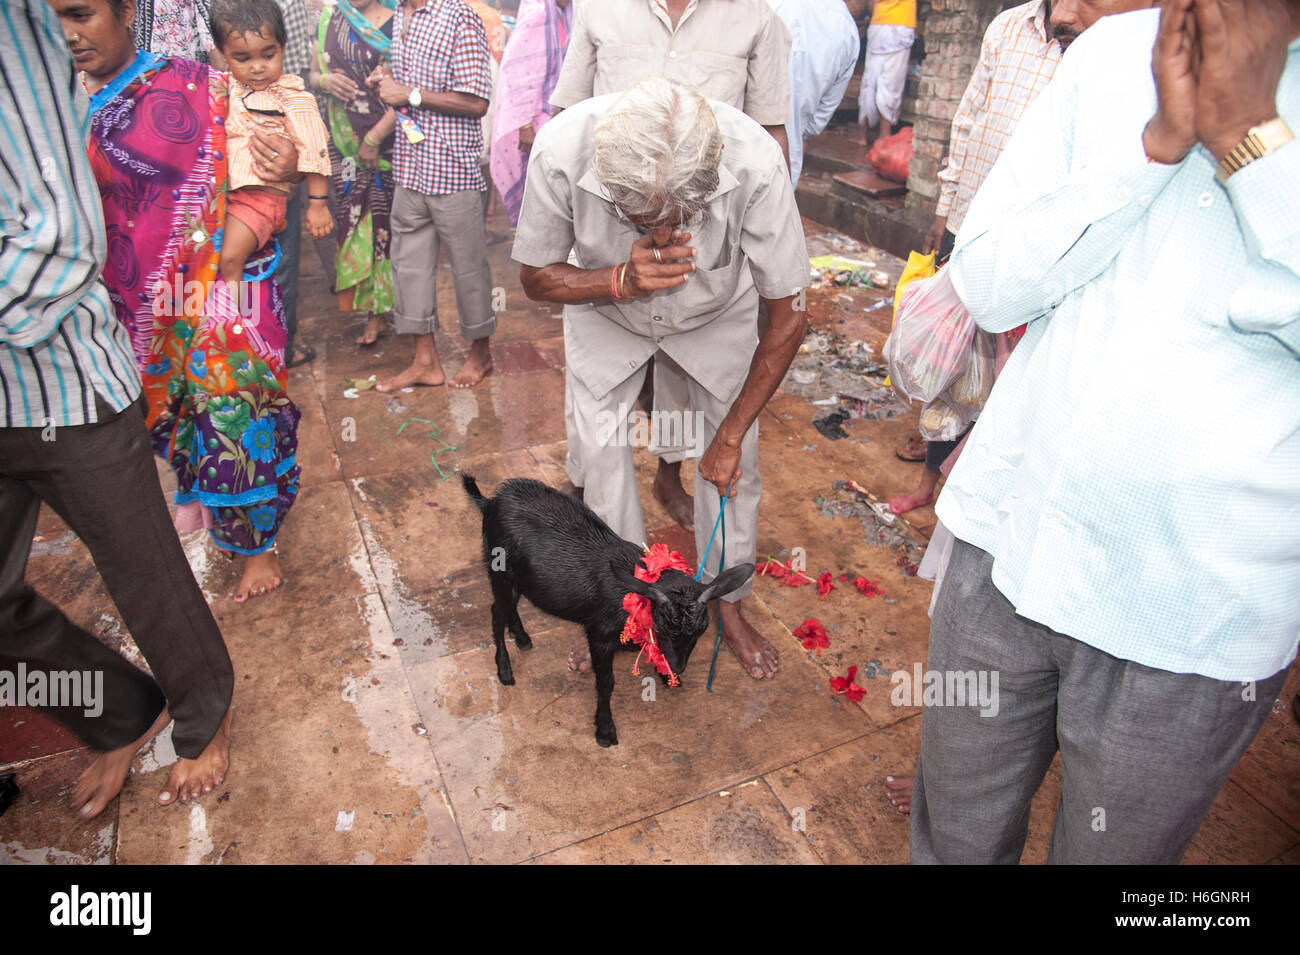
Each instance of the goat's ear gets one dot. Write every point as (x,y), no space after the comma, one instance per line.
(636,584)
(726,582)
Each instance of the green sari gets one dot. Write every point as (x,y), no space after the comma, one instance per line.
(350,45)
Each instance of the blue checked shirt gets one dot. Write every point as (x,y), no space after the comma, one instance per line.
(441,47)
(1136,472)
(60,342)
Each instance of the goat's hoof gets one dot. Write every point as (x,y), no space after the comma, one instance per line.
(524,642)
(606,739)
(507,679)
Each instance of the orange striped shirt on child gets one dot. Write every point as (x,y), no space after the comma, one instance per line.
(301,122)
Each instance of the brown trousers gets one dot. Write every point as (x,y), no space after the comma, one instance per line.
(100,478)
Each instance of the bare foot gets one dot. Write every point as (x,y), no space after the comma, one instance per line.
(909,502)
(900,793)
(417,374)
(580,656)
(191,778)
(756,655)
(261,576)
(478,365)
(570,489)
(103,778)
(669,492)
(374,326)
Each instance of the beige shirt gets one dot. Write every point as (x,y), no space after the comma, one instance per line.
(735,51)
(749,242)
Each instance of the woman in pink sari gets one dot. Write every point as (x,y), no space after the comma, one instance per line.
(530,68)
(212,368)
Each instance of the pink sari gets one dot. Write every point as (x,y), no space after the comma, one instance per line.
(530,68)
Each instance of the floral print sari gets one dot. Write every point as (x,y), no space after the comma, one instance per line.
(213,369)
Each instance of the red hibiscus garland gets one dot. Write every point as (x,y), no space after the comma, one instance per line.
(639,628)
(869,587)
(845,685)
(813,635)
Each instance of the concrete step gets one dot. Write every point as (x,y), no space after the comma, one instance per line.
(883,222)
(864,183)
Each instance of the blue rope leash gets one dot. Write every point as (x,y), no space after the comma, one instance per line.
(722,557)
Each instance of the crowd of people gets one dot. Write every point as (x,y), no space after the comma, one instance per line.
(1117,545)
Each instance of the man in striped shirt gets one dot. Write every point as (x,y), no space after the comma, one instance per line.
(72,434)
(1021,50)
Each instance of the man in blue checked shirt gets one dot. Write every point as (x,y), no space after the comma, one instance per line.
(1127,508)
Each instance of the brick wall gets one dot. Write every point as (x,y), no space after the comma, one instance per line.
(952,31)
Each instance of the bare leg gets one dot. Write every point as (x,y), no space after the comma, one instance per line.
(753,651)
(191,778)
(580,656)
(103,778)
(478,365)
(238,242)
(425,370)
(669,492)
(900,793)
(923,495)
(374,327)
(261,575)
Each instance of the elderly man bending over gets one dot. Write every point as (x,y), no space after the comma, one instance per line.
(680,216)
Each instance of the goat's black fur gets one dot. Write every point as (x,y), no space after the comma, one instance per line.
(554,550)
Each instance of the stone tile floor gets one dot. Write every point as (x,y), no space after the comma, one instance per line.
(369,724)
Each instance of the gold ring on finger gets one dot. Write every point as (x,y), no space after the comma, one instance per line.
(658,258)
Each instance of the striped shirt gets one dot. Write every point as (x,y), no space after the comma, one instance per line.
(1017,61)
(60,343)
(1136,471)
(302,123)
(441,47)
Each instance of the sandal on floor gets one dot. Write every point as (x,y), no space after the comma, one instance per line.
(300,356)
(909,452)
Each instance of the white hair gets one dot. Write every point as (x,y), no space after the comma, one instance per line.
(657,151)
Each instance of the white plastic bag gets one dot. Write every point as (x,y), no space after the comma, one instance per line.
(930,345)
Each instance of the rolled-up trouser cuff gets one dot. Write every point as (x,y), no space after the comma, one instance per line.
(406,325)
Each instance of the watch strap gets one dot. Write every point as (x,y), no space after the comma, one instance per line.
(1259,142)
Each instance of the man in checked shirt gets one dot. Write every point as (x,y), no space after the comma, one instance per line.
(441,82)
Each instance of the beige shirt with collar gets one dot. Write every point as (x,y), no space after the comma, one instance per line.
(735,51)
(749,242)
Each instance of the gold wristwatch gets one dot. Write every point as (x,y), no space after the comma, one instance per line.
(1259,142)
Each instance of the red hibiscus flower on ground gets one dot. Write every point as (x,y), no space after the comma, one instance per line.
(793,578)
(813,635)
(845,685)
(869,587)
(824,585)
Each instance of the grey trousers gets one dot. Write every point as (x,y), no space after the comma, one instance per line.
(603,462)
(1144,752)
(422,225)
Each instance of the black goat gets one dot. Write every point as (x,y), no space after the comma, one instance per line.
(554,550)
